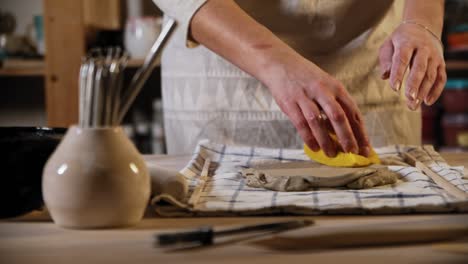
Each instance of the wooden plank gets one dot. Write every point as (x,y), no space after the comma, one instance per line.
(102,14)
(200,183)
(65,45)
(439,180)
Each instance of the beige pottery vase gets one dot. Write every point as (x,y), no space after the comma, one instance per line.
(96,178)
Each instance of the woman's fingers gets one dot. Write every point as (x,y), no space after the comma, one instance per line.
(302,126)
(357,124)
(438,86)
(428,81)
(340,123)
(318,126)
(416,75)
(414,46)
(400,61)
(385,59)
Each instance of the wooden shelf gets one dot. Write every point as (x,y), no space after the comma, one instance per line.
(22,67)
(27,71)
(456,65)
(39,70)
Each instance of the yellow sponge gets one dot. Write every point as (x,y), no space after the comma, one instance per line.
(342,159)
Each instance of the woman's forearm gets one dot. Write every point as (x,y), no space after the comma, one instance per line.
(223,27)
(300,88)
(430,13)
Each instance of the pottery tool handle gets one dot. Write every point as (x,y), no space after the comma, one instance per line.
(101,79)
(205,235)
(82,85)
(439,180)
(144,72)
(89,94)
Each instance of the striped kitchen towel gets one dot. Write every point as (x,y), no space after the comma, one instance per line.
(224,192)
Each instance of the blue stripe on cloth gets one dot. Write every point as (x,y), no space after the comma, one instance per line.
(273,199)
(251,155)
(233,200)
(401,202)
(399,195)
(221,154)
(315,198)
(357,197)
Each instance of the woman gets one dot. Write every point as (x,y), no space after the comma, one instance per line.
(268,72)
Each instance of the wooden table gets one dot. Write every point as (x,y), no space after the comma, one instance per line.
(35,239)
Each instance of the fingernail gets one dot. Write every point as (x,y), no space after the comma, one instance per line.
(366,151)
(397,86)
(331,153)
(427,101)
(415,104)
(385,74)
(413,95)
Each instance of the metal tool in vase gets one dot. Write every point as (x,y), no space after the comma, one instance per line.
(103,99)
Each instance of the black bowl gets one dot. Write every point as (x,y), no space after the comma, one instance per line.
(23,154)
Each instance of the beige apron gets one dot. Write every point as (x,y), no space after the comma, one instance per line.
(205,96)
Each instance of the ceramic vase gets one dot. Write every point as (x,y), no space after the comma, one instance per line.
(96,178)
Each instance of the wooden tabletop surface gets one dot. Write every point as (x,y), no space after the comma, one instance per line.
(35,239)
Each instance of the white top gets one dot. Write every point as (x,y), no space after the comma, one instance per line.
(205,96)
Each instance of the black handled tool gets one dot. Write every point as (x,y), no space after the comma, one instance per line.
(206,234)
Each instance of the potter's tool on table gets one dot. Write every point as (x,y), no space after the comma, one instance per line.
(104,101)
(204,236)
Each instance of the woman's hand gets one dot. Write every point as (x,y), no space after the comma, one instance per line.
(414,46)
(304,91)
(300,88)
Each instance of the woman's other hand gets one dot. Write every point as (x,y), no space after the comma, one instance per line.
(416,44)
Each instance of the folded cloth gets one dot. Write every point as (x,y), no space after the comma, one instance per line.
(225,193)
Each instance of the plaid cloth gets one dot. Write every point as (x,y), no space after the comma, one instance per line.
(224,193)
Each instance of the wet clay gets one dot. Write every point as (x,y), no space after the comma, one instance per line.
(300,176)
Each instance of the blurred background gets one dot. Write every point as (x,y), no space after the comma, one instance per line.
(39,37)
